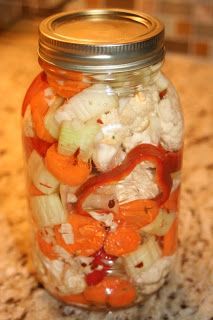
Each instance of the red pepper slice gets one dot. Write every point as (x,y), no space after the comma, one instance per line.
(96,276)
(39,145)
(173,159)
(101,258)
(142,152)
(38,83)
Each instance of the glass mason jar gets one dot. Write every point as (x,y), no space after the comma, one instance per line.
(103,138)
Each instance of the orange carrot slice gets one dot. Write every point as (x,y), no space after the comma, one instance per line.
(170,240)
(172,204)
(112,291)
(33,191)
(88,233)
(39,108)
(123,295)
(123,240)
(45,247)
(67,169)
(138,213)
(73,299)
(66,88)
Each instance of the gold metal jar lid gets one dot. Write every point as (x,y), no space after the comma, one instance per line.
(101,40)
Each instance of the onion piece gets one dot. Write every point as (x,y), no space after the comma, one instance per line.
(101,201)
(107,219)
(161,224)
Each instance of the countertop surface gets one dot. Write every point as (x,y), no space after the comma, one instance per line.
(188,294)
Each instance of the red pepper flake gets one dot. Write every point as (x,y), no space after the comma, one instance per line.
(44,185)
(142,152)
(83,264)
(162,93)
(76,154)
(111,204)
(139,265)
(100,121)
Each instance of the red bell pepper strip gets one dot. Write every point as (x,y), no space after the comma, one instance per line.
(173,159)
(101,258)
(142,152)
(38,83)
(31,143)
(96,276)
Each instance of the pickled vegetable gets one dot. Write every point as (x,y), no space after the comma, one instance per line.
(104,183)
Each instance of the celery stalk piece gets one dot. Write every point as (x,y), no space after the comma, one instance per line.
(75,135)
(47,210)
(161,224)
(50,123)
(40,176)
(142,258)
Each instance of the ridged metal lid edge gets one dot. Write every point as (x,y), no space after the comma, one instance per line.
(140,42)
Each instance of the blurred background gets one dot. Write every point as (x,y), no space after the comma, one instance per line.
(189,23)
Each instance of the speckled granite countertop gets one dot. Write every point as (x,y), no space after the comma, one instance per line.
(188,294)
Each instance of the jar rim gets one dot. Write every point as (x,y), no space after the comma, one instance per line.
(101,40)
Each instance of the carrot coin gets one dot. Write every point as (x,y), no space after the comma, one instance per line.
(138,213)
(73,298)
(112,291)
(39,108)
(123,240)
(88,235)
(66,88)
(67,169)
(123,295)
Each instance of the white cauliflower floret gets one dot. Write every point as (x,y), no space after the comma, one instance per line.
(139,184)
(150,135)
(139,124)
(126,115)
(103,155)
(87,104)
(152,279)
(73,282)
(171,125)
(139,113)
(113,131)
(162,82)
(68,276)
(142,104)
